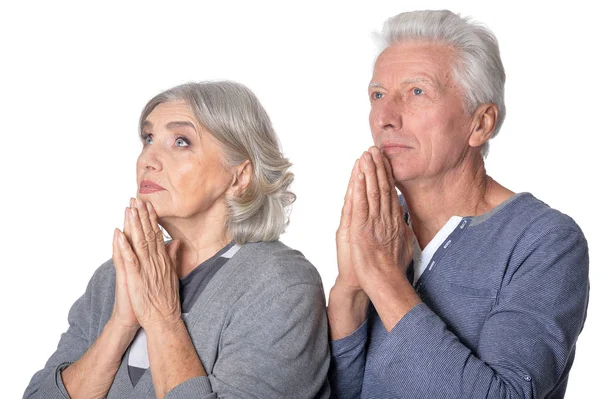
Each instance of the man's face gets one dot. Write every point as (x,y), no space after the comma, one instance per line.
(417,114)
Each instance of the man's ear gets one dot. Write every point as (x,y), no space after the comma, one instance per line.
(242,175)
(484,122)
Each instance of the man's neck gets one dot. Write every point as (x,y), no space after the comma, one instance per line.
(468,191)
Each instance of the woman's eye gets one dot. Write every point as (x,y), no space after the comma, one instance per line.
(147,139)
(181,142)
(417,91)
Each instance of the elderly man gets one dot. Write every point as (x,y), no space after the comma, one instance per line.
(463,288)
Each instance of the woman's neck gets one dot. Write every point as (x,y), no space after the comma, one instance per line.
(200,238)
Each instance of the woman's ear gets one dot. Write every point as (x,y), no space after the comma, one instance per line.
(242,175)
(484,122)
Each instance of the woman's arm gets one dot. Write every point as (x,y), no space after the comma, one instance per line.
(86,371)
(82,356)
(92,375)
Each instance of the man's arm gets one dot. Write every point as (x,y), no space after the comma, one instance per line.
(525,344)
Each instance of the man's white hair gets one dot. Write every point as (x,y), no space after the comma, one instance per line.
(477,68)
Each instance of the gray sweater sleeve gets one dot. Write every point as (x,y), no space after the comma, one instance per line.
(47,383)
(275,345)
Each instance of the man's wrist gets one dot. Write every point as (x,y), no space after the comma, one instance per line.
(393,299)
(346,311)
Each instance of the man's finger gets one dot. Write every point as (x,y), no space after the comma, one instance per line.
(360,205)
(372,186)
(383,182)
(395,202)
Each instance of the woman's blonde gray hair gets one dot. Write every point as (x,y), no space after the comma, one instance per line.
(478,69)
(232,114)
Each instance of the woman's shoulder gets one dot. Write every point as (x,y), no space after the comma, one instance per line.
(276,261)
(103,279)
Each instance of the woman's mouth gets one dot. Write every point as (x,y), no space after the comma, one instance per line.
(149,187)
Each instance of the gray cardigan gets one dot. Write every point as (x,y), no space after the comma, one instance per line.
(259,328)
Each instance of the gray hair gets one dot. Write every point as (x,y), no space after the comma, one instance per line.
(478,68)
(235,118)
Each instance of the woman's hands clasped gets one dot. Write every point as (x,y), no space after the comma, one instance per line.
(147,287)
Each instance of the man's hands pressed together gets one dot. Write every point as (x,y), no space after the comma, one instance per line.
(374,247)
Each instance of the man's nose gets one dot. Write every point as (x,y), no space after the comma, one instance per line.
(387,114)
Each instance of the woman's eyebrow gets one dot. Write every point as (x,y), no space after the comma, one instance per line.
(175,124)
(147,124)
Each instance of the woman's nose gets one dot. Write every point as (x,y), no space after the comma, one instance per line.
(149,159)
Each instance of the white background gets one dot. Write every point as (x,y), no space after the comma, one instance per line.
(74,77)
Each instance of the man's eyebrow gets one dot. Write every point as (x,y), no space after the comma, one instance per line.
(377,85)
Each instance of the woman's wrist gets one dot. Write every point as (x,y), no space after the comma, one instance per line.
(92,375)
(121,333)
(164,326)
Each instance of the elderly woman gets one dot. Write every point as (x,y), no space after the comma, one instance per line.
(222,310)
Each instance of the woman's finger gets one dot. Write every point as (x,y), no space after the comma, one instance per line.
(158,235)
(172,250)
(138,239)
(117,257)
(127,223)
(147,228)
(127,255)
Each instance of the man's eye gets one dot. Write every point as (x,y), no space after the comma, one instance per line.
(181,142)
(377,95)
(417,91)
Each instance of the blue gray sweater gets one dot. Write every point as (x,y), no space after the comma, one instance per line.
(504,300)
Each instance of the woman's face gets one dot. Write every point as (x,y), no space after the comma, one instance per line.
(180,169)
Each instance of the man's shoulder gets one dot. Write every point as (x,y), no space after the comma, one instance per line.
(539,216)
